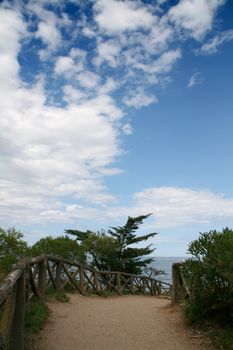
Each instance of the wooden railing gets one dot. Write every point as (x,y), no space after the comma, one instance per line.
(34,276)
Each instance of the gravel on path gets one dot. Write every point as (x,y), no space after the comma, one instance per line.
(116,323)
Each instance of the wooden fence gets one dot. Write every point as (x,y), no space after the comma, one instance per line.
(180,290)
(35,276)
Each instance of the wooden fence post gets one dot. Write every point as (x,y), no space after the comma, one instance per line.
(42,278)
(17,331)
(96,281)
(159,287)
(58,275)
(143,285)
(132,285)
(7,319)
(119,283)
(81,279)
(176,283)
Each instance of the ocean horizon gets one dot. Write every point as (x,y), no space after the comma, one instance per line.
(164,263)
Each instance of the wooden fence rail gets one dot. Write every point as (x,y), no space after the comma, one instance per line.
(34,276)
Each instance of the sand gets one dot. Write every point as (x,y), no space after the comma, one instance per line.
(116,323)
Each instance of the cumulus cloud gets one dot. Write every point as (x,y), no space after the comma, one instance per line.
(49,152)
(64,65)
(56,150)
(195,79)
(49,34)
(108,51)
(139,99)
(195,16)
(119,16)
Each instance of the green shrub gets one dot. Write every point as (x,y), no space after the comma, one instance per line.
(62,246)
(209,275)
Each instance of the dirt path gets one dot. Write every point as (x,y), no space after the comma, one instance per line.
(116,323)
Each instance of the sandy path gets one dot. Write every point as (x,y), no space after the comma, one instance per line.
(116,323)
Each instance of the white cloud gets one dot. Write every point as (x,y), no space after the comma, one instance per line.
(49,34)
(88,32)
(195,79)
(12,31)
(108,51)
(139,99)
(109,86)
(174,207)
(88,79)
(211,46)
(75,52)
(127,129)
(73,95)
(195,16)
(64,64)
(49,26)
(163,64)
(118,16)
(68,66)
(49,152)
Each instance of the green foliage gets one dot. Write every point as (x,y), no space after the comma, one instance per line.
(209,276)
(12,248)
(63,246)
(60,295)
(116,250)
(100,248)
(130,258)
(36,315)
(222,337)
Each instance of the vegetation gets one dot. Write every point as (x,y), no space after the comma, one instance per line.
(116,250)
(13,248)
(36,315)
(59,295)
(209,275)
(63,246)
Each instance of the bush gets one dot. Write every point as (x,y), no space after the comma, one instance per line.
(62,246)
(13,248)
(209,275)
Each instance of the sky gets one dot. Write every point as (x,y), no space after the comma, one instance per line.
(112,109)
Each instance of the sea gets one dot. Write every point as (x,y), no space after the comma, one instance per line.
(165,264)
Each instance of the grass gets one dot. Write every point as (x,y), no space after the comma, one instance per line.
(36,315)
(59,295)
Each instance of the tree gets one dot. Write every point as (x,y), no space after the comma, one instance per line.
(63,246)
(12,248)
(116,250)
(100,248)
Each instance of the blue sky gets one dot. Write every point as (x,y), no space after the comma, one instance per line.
(112,109)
